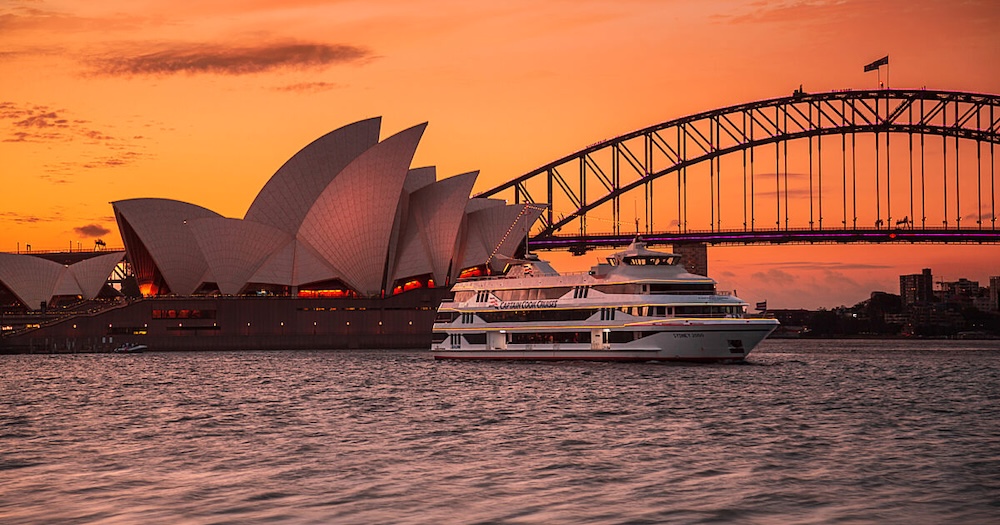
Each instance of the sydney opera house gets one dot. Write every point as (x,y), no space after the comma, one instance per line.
(346,246)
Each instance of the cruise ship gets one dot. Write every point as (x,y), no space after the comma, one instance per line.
(641,305)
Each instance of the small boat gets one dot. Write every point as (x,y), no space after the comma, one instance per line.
(640,306)
(130,348)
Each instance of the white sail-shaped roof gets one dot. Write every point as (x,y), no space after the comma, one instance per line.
(480,203)
(418,178)
(234,249)
(310,267)
(350,225)
(161,224)
(31,279)
(435,215)
(495,230)
(518,230)
(277,268)
(287,197)
(294,264)
(66,284)
(91,274)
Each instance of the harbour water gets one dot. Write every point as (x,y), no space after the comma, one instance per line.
(806,432)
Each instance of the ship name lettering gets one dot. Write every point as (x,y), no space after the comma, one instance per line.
(528,305)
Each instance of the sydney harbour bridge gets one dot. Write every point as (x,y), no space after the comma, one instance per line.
(851,166)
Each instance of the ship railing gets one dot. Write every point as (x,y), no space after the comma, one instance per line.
(497,277)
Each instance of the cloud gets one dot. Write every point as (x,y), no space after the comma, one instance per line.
(223,60)
(91,230)
(825,265)
(32,123)
(774,276)
(35,123)
(309,87)
(30,19)
(20,218)
(69,168)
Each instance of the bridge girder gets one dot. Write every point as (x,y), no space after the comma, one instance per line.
(640,157)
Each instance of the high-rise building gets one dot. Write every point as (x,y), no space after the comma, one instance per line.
(916,288)
(995,293)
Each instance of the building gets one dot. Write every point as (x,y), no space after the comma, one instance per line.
(961,288)
(916,288)
(346,245)
(34,282)
(694,257)
(994,293)
(344,217)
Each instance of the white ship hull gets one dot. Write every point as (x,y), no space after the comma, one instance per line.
(702,342)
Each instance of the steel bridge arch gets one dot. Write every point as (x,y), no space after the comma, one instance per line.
(704,137)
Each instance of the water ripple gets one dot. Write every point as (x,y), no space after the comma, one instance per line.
(806,432)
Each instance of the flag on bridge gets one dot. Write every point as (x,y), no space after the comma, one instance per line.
(884,61)
(762,306)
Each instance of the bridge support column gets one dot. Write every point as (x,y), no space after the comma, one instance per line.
(694,257)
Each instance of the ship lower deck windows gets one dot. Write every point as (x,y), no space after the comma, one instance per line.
(507,316)
(536,338)
(683,289)
(708,311)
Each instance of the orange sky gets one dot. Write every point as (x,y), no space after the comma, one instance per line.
(203,101)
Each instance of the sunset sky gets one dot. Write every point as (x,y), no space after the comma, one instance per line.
(203,101)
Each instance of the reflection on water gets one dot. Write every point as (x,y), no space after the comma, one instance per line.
(849,431)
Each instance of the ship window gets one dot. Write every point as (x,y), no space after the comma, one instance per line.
(446,317)
(619,288)
(661,311)
(532,294)
(651,261)
(506,316)
(475,339)
(535,338)
(622,337)
(683,288)
(704,311)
